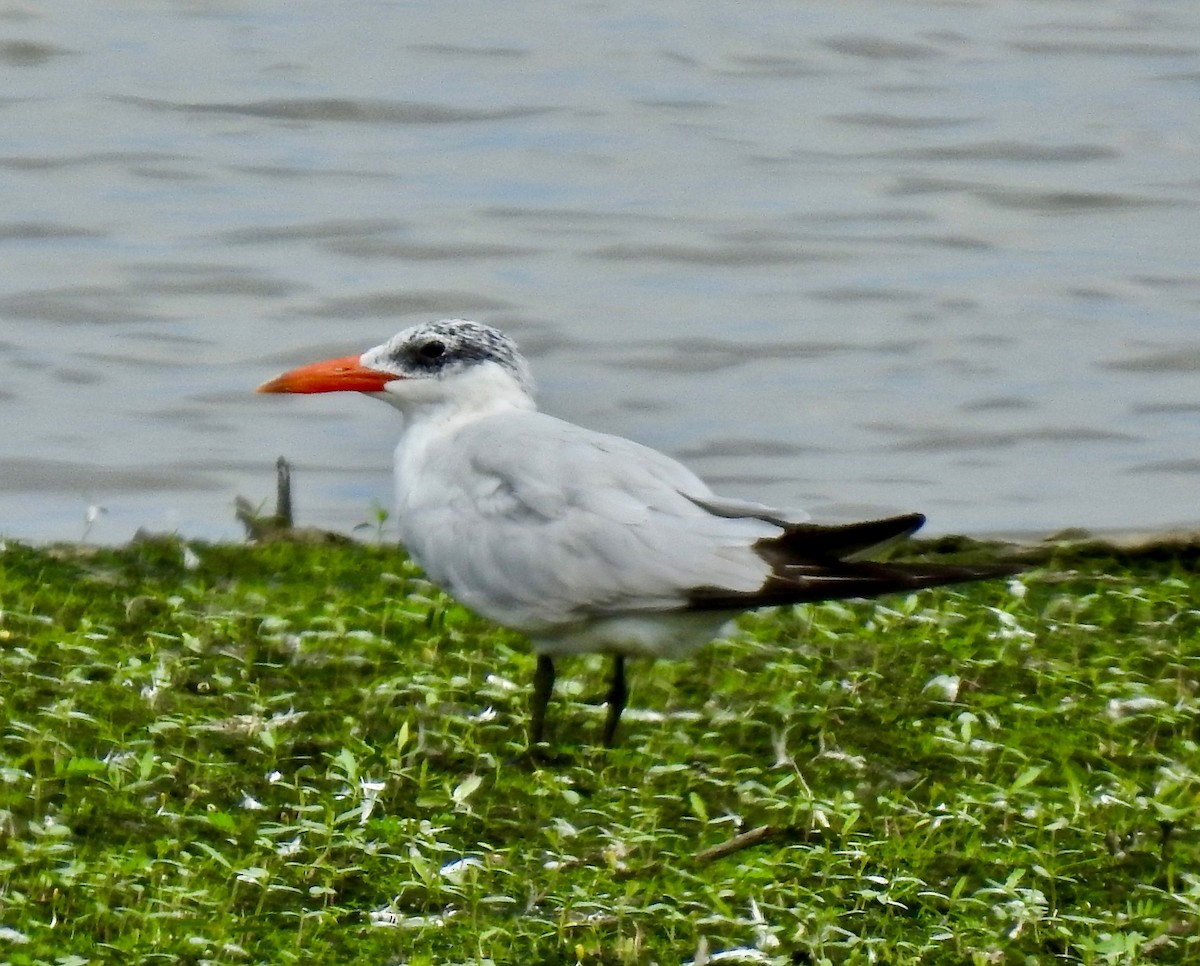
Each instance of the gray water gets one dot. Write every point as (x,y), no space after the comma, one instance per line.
(852,256)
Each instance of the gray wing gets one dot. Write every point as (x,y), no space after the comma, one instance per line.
(538,523)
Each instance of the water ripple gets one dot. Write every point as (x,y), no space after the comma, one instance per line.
(26,53)
(388,305)
(343,110)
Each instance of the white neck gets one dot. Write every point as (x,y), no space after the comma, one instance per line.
(463,396)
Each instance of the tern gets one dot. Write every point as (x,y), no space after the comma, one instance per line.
(583,541)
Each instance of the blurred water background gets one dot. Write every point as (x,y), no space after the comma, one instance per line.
(852,256)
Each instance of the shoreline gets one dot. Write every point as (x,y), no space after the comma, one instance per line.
(1075,543)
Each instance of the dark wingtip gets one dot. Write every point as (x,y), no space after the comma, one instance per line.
(815,541)
(841,580)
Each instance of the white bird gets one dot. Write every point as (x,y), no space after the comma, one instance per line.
(583,541)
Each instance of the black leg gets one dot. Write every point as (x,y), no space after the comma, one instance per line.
(543,686)
(617,695)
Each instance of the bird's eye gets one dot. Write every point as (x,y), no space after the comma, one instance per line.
(432,350)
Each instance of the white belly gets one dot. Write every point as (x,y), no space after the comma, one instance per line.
(666,635)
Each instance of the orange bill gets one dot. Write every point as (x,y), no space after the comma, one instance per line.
(333,375)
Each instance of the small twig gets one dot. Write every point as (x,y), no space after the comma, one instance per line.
(280,525)
(745,840)
(283,494)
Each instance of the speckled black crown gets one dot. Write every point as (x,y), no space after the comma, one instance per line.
(439,347)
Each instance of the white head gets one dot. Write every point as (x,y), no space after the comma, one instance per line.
(452,364)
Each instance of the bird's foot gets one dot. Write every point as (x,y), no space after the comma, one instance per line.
(540,755)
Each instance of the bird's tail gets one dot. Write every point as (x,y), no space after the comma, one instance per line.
(841,541)
(810,562)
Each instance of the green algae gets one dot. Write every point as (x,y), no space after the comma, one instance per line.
(305,753)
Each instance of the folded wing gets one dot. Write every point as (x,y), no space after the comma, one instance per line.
(537,524)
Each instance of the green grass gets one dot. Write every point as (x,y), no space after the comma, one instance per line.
(297,754)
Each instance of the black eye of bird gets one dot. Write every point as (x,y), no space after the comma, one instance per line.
(432,350)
